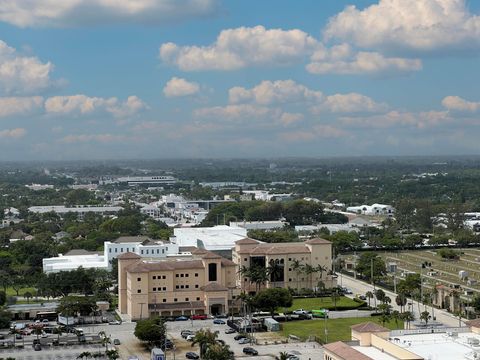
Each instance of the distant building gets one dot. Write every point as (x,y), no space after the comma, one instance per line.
(375,209)
(38,187)
(73,261)
(260,225)
(203,283)
(80,210)
(147,180)
(314,252)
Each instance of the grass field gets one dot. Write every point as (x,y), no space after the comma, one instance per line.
(323,303)
(337,329)
(11,292)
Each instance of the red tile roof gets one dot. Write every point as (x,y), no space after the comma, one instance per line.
(345,352)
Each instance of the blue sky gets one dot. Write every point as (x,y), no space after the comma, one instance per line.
(105,79)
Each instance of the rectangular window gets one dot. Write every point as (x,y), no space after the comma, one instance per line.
(186,299)
(289,259)
(163,251)
(196,286)
(196,274)
(245,259)
(187,286)
(181,286)
(116,250)
(154,289)
(164,277)
(147,251)
(139,291)
(176,275)
(121,249)
(110,250)
(166,248)
(128,249)
(175,300)
(141,252)
(164,300)
(212,272)
(198,299)
(154,277)
(139,279)
(177,287)
(164,289)
(186,275)
(158,251)
(181,275)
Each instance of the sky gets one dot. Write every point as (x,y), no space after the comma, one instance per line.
(132,79)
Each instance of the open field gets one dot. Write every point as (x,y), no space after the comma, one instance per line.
(337,329)
(323,303)
(11,292)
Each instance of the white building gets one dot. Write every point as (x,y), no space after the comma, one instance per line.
(80,210)
(220,237)
(260,225)
(147,180)
(73,260)
(37,187)
(140,245)
(265,195)
(375,209)
(151,210)
(332,228)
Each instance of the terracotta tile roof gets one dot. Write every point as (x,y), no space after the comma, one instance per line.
(247,241)
(317,241)
(277,248)
(368,327)
(165,265)
(129,256)
(226,262)
(346,352)
(213,286)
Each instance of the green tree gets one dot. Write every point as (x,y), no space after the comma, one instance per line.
(425,316)
(368,261)
(204,338)
(218,351)
(273,298)
(282,356)
(369,296)
(151,331)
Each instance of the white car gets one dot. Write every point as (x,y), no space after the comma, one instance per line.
(190,337)
(244,341)
(300,312)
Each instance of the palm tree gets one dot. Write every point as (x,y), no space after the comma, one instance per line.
(408,316)
(309,270)
(218,352)
(84,355)
(204,338)
(298,268)
(282,356)
(244,272)
(369,296)
(112,354)
(401,300)
(259,276)
(105,340)
(396,316)
(425,316)
(275,271)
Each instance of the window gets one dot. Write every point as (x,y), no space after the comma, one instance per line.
(198,299)
(139,279)
(164,289)
(121,249)
(176,275)
(110,250)
(245,259)
(166,248)
(154,277)
(147,251)
(196,274)
(163,251)
(289,279)
(186,299)
(128,249)
(154,289)
(177,287)
(164,277)
(158,251)
(116,250)
(175,300)
(196,286)
(181,275)
(212,272)
(139,291)
(141,252)
(186,275)
(164,300)
(289,269)
(187,286)
(181,286)
(289,259)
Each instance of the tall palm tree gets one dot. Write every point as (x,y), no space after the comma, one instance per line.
(396,316)
(369,296)
(298,268)
(408,317)
(309,270)
(244,272)
(259,276)
(218,352)
(275,271)
(204,338)
(105,340)
(84,355)
(425,316)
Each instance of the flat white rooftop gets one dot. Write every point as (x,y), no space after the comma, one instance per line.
(440,346)
(374,353)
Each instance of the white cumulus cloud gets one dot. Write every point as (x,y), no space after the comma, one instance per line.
(19,105)
(349,103)
(421,25)
(180,87)
(64,13)
(82,104)
(241,47)
(12,133)
(22,74)
(459,104)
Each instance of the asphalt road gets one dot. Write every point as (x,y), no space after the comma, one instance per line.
(360,287)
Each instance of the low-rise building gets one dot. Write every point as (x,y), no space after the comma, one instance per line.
(375,209)
(260,225)
(80,210)
(202,283)
(293,259)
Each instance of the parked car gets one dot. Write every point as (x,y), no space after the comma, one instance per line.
(185,333)
(219,322)
(222,316)
(181,318)
(44,335)
(362,297)
(116,322)
(18,336)
(116,342)
(45,321)
(244,341)
(199,317)
(169,344)
(230,331)
(293,357)
(300,312)
(220,341)
(239,336)
(192,355)
(190,337)
(250,351)
(37,347)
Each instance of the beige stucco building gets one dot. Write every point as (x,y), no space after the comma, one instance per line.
(316,253)
(203,283)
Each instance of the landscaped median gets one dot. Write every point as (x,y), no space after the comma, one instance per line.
(342,303)
(337,329)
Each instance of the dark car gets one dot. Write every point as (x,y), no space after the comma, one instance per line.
(169,344)
(250,351)
(37,347)
(222,316)
(220,341)
(219,322)
(181,318)
(192,355)
(230,331)
(239,336)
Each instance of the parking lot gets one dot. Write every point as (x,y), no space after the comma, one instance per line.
(52,353)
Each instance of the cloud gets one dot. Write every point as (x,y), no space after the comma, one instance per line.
(341,59)
(82,105)
(22,74)
(99,138)
(66,13)
(180,87)
(395,25)
(459,104)
(19,105)
(274,92)
(242,47)
(349,103)
(316,132)
(12,133)
(234,112)
(420,120)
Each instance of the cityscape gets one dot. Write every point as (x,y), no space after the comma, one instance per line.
(219,180)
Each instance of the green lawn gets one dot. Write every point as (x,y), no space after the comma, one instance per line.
(323,303)
(11,292)
(337,329)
